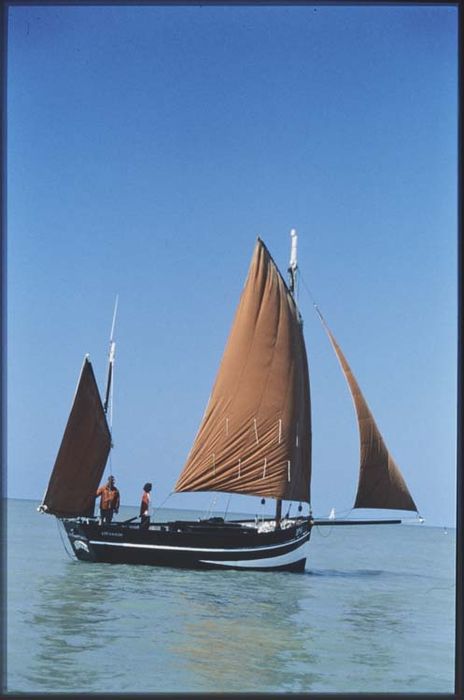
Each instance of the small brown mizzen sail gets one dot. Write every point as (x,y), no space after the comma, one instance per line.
(82,454)
(255,437)
(381,484)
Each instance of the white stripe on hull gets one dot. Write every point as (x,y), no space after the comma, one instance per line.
(241,550)
(270,562)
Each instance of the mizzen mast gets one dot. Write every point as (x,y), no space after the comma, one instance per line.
(109,382)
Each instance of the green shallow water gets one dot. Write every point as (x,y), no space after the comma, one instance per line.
(374,612)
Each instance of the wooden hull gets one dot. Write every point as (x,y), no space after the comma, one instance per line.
(194,545)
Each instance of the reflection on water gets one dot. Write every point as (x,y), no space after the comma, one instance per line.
(373,622)
(352,573)
(215,631)
(359,621)
(247,635)
(70,622)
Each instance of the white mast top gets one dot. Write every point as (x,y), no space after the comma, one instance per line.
(293,266)
(293,253)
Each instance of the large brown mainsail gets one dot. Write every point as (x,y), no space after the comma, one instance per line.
(380,484)
(255,437)
(82,454)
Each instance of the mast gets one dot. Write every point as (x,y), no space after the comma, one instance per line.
(109,382)
(292,270)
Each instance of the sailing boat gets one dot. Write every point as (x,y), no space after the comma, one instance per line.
(254,438)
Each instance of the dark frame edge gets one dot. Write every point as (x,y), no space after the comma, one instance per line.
(459,604)
(3,353)
(459,622)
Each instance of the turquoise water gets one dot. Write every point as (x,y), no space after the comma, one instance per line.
(374,612)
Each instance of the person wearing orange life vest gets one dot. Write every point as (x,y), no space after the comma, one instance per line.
(109,500)
(145,506)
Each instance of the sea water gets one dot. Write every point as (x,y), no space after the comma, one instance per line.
(373,612)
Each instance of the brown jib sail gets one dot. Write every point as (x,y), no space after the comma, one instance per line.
(381,484)
(82,454)
(255,437)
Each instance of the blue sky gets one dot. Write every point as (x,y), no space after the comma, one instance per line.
(149,146)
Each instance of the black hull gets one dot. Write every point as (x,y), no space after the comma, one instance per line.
(193,545)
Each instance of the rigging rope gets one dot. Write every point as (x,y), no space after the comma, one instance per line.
(308,290)
(213,503)
(162,504)
(227,507)
(58,523)
(319,530)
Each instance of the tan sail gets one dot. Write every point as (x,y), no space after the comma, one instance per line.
(380,484)
(82,454)
(255,437)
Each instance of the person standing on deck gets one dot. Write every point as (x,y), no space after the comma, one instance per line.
(109,500)
(145,506)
